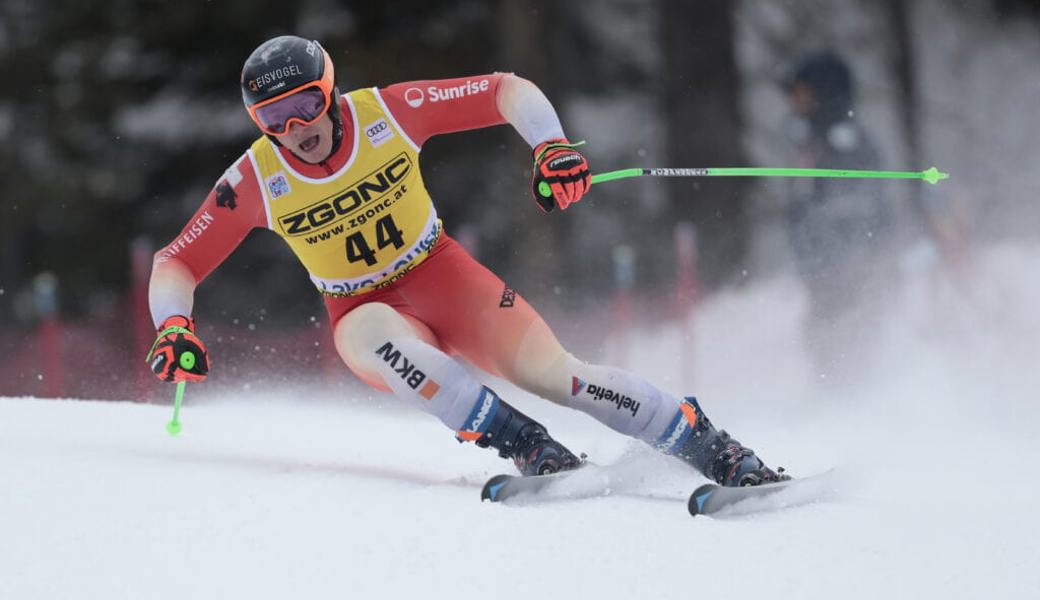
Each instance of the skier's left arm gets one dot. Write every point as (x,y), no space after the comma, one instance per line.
(427,108)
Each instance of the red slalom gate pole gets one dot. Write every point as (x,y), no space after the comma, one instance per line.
(143,332)
(686,296)
(624,278)
(45,291)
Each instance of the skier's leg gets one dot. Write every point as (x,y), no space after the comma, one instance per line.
(396,351)
(497,330)
(633,406)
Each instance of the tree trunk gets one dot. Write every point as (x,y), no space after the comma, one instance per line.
(701,88)
(534,267)
(899,17)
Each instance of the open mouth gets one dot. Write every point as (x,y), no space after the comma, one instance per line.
(310,143)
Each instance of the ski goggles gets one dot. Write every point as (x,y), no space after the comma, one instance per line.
(303,105)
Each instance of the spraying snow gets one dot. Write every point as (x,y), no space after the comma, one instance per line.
(276,495)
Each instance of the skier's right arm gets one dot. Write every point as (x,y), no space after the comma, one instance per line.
(232,208)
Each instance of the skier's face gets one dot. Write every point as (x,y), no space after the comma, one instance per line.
(802,99)
(311,143)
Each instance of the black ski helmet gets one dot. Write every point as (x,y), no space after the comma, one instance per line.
(828,76)
(285,63)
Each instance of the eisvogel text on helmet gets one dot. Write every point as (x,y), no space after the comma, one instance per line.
(276,75)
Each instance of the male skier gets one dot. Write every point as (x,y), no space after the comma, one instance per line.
(337,177)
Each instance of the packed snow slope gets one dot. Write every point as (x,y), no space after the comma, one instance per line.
(295,494)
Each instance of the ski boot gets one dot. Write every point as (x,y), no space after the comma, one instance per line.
(518,437)
(717,455)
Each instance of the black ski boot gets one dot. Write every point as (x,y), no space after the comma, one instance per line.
(720,457)
(517,436)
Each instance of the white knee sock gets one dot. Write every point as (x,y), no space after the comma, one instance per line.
(621,400)
(427,378)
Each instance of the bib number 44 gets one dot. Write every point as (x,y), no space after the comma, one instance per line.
(387,234)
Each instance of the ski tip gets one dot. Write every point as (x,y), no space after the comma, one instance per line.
(699,497)
(492,487)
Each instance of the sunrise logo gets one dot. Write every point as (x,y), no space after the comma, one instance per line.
(414,97)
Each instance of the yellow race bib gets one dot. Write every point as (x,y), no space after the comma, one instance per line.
(363,226)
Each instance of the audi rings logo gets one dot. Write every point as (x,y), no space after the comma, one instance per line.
(376,129)
(414,97)
(378,132)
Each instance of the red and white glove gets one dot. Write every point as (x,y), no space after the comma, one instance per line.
(561,174)
(177,355)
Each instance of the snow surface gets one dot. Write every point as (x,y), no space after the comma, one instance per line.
(293,494)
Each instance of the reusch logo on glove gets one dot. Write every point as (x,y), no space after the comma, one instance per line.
(562,162)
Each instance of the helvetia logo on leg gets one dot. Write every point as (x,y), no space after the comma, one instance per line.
(598,393)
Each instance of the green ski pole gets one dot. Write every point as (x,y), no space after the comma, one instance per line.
(931,175)
(187,361)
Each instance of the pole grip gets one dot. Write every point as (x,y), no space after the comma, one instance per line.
(543,195)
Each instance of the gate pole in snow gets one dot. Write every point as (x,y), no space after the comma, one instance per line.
(141,266)
(686,297)
(45,292)
(624,278)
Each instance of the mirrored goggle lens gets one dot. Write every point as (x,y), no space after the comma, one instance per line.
(306,105)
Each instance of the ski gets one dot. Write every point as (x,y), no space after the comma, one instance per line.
(503,487)
(710,498)
(590,480)
(630,480)
(625,478)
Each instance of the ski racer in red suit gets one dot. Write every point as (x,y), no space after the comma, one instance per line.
(337,177)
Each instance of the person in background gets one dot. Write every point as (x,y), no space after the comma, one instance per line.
(838,228)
